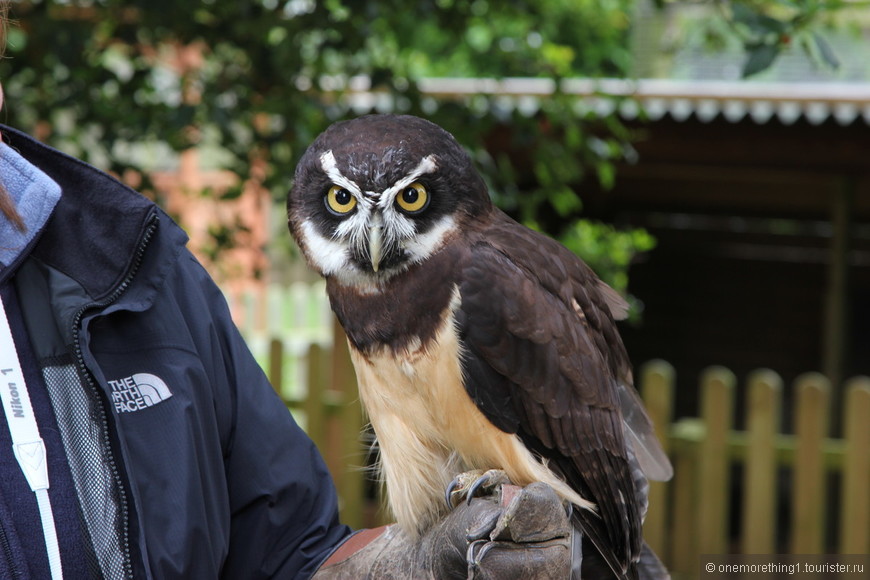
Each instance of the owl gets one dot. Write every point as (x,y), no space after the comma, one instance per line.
(480,346)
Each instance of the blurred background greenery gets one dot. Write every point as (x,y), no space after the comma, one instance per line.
(127,85)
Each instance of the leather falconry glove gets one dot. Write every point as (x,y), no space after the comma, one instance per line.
(512,533)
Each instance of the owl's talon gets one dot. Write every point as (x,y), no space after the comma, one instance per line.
(448,495)
(482,481)
(459,486)
(488,481)
(471,484)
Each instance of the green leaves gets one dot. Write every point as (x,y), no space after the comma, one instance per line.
(820,50)
(768,27)
(759,58)
(758,26)
(765,30)
(607,250)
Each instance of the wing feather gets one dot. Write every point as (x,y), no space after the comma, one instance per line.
(539,319)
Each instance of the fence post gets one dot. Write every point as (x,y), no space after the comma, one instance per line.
(276,366)
(808,475)
(314,402)
(717,411)
(759,476)
(351,483)
(657,389)
(684,491)
(855,507)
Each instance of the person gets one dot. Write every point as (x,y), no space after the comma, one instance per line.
(140,439)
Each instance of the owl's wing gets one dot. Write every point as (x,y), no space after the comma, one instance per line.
(543,359)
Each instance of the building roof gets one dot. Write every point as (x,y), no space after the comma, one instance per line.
(761,102)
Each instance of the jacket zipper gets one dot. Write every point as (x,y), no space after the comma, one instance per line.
(7,552)
(150,228)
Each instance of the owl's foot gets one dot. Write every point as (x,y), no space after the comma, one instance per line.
(472,483)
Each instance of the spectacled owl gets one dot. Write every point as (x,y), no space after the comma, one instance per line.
(478,343)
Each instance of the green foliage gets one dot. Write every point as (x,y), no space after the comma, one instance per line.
(607,250)
(554,38)
(764,29)
(121,84)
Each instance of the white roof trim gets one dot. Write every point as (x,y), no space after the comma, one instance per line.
(732,100)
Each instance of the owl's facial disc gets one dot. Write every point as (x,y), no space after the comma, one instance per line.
(377,233)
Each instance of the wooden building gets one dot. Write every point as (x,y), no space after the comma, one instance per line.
(759,198)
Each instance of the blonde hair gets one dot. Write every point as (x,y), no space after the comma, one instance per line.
(7,206)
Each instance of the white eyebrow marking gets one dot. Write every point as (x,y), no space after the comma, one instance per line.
(330,167)
(426,165)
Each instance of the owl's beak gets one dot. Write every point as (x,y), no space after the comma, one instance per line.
(376,239)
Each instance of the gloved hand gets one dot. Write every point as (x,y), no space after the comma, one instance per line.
(513,533)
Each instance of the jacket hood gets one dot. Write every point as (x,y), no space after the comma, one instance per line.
(99,226)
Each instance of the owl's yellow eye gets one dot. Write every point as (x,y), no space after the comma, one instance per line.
(339,200)
(413,199)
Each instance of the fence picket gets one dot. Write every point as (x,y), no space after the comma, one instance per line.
(314,402)
(276,365)
(349,421)
(274,317)
(808,476)
(657,389)
(855,507)
(759,476)
(717,411)
(683,534)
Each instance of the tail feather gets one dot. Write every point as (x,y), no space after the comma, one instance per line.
(649,566)
(594,566)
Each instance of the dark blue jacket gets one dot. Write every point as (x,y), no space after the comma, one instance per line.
(215,478)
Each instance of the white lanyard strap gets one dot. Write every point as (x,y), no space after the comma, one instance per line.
(26,443)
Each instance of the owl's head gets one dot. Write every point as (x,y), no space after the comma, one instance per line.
(376,194)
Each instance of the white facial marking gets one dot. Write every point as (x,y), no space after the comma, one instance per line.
(426,165)
(331,255)
(354,228)
(331,258)
(421,247)
(398,228)
(328,255)
(330,167)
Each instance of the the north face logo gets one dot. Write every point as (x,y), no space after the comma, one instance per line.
(138,392)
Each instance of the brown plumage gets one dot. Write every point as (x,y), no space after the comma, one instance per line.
(478,343)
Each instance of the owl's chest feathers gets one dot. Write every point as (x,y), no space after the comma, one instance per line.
(406,348)
(402,314)
(416,380)
(424,420)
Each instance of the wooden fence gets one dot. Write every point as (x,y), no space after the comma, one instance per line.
(758,490)
(752,491)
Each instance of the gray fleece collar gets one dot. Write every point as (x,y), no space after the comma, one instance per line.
(35,195)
